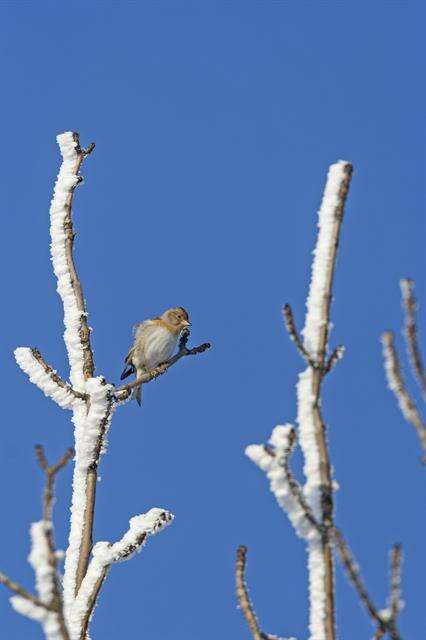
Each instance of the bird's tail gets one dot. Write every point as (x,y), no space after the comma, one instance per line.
(137,394)
(127,371)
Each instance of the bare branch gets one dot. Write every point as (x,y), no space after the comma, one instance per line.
(395,583)
(335,356)
(396,384)
(123,392)
(294,336)
(410,332)
(384,624)
(243,596)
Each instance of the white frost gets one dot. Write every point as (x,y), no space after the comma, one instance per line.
(273,467)
(88,426)
(65,183)
(105,553)
(323,257)
(37,375)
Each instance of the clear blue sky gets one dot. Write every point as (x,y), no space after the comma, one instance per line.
(215,124)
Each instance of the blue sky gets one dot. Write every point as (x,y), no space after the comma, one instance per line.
(215,124)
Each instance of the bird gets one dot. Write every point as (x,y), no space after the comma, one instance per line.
(153,343)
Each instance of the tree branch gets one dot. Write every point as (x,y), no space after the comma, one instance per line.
(410,332)
(104,555)
(123,392)
(20,591)
(395,586)
(294,336)
(50,472)
(384,624)
(396,384)
(312,433)
(243,598)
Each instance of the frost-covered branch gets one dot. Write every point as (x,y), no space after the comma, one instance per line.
(92,401)
(410,332)
(397,385)
(47,607)
(273,460)
(104,554)
(310,508)
(77,332)
(45,378)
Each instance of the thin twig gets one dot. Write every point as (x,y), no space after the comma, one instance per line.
(20,591)
(123,392)
(354,577)
(55,377)
(396,384)
(384,625)
(294,335)
(410,332)
(335,356)
(243,597)
(395,583)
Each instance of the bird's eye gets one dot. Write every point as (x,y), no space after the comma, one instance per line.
(179,317)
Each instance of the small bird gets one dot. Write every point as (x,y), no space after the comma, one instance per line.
(154,342)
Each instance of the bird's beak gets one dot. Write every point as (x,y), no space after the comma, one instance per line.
(186,323)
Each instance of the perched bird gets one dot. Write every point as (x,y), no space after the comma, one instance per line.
(154,342)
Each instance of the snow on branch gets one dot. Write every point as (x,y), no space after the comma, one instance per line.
(310,508)
(273,460)
(410,332)
(46,607)
(92,401)
(396,384)
(330,216)
(77,333)
(104,554)
(45,378)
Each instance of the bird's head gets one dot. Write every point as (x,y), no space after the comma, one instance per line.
(177,318)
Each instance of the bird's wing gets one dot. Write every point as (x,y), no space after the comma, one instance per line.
(141,330)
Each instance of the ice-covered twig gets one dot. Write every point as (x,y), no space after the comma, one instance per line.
(104,555)
(273,460)
(410,332)
(123,392)
(243,598)
(396,384)
(45,378)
